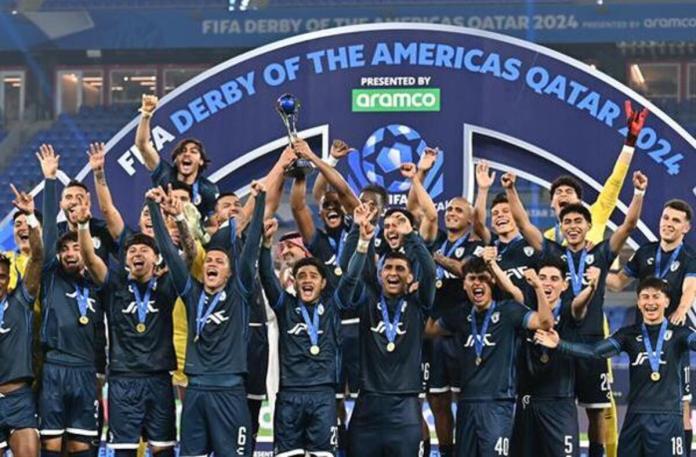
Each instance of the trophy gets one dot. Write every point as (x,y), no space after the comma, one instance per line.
(288,107)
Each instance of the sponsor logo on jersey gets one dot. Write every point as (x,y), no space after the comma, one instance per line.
(381,327)
(517,272)
(642,357)
(301,327)
(217,318)
(469,343)
(132,308)
(90,301)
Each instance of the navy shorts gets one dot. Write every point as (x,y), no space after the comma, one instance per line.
(305,421)
(17,411)
(215,420)
(545,428)
(653,435)
(386,425)
(68,401)
(484,428)
(444,365)
(349,378)
(592,379)
(141,406)
(257,366)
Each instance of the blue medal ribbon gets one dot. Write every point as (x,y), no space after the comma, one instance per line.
(233,235)
(196,193)
(2,311)
(507,246)
(338,250)
(391,326)
(557,311)
(201,318)
(658,261)
(82,297)
(576,276)
(478,338)
(654,356)
(143,301)
(440,272)
(312,324)
(558,235)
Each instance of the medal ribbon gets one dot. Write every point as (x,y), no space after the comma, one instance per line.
(478,338)
(658,261)
(312,324)
(576,276)
(558,235)
(143,301)
(391,326)
(202,318)
(654,356)
(196,193)
(513,241)
(338,250)
(82,297)
(440,272)
(2,311)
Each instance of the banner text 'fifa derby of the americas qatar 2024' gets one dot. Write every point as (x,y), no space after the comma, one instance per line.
(388,90)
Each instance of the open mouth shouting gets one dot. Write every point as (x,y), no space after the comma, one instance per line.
(186,165)
(478,292)
(212,274)
(393,239)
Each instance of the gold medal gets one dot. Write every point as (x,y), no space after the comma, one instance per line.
(438,284)
(140,328)
(83,320)
(391,346)
(314,350)
(478,361)
(544,358)
(338,271)
(655,376)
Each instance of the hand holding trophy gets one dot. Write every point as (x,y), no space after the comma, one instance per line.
(288,107)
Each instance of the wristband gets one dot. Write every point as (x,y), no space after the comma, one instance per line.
(83,225)
(32,221)
(638,192)
(331,160)
(145,114)
(363,245)
(180,217)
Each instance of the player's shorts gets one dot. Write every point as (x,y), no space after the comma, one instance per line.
(444,365)
(686,376)
(68,401)
(385,425)
(141,406)
(257,355)
(17,412)
(592,379)
(215,420)
(350,359)
(305,420)
(652,435)
(545,428)
(483,428)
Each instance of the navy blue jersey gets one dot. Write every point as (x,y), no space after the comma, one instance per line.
(544,373)
(65,339)
(16,336)
(397,371)
(216,350)
(299,367)
(205,192)
(645,395)
(599,256)
(674,271)
(104,244)
(514,258)
(450,290)
(494,378)
(150,350)
(327,246)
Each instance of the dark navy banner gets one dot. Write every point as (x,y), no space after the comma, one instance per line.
(390,89)
(153,28)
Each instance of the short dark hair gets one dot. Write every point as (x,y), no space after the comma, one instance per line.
(680,205)
(309,261)
(226,194)
(552,262)
(576,208)
(140,238)
(651,282)
(376,189)
(178,185)
(498,199)
(475,265)
(65,238)
(37,213)
(567,180)
(179,148)
(398,256)
(400,209)
(74,183)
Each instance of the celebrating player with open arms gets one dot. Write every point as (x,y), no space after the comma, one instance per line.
(18,431)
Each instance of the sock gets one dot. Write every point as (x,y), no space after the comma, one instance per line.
(688,437)
(446,451)
(45,453)
(169,452)
(125,453)
(596,450)
(426,448)
(87,453)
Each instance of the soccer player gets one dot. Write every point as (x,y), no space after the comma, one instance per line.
(387,416)
(18,419)
(593,388)
(489,332)
(72,332)
(189,157)
(215,416)
(139,308)
(653,424)
(310,353)
(673,261)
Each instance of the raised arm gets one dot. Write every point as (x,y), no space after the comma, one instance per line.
(416,249)
(49,167)
(300,211)
(620,235)
(348,285)
(426,206)
(112,217)
(453,266)
(616,282)
(273,182)
(532,234)
(95,266)
(175,208)
(600,350)
(687,300)
(490,253)
(32,274)
(269,281)
(425,163)
(348,199)
(582,300)
(484,181)
(142,134)
(252,245)
(339,149)
(542,319)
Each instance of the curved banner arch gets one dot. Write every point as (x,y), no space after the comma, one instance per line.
(388,89)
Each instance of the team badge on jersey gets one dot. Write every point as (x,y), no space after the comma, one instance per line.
(674,266)
(96,241)
(589,259)
(320,309)
(495,317)
(528,251)
(459,252)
